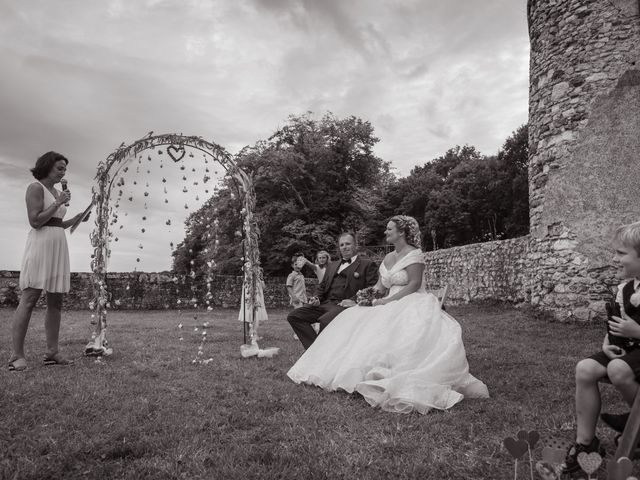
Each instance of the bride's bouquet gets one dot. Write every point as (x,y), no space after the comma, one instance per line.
(366,296)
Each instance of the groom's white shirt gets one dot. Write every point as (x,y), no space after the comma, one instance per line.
(346,265)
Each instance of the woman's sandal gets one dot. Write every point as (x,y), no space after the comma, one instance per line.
(17,365)
(57,359)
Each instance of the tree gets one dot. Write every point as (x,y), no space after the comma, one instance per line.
(313,180)
(317,178)
(465,197)
(514,163)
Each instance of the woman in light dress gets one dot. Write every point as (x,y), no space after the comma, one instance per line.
(246,312)
(404,353)
(45,264)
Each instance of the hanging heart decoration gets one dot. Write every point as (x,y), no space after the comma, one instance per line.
(176,152)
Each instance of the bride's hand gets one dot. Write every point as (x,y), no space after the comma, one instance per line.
(380,290)
(378,301)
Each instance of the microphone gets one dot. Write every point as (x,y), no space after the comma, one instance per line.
(63,182)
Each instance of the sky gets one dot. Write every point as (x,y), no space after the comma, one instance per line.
(82,76)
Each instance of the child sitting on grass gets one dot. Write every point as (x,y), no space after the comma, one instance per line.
(620,356)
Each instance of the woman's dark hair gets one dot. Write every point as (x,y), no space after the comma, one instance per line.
(45,163)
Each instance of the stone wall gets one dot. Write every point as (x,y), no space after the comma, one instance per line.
(584,143)
(138,290)
(482,271)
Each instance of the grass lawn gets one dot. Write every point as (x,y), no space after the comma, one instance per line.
(147,412)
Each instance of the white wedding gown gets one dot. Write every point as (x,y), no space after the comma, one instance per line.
(404,356)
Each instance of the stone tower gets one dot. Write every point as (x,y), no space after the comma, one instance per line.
(584,141)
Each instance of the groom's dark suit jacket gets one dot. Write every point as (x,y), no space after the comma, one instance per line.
(334,288)
(360,274)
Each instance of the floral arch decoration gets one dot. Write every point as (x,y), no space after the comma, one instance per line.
(110,175)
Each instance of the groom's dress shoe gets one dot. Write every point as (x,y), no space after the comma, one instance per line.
(617,422)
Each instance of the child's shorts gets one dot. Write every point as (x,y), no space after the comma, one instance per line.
(631,358)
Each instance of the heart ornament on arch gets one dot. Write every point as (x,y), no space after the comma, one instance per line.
(176,152)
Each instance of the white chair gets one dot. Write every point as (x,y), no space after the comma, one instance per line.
(441,294)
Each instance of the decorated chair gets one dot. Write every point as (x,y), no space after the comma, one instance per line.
(441,294)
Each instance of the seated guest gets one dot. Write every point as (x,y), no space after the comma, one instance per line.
(619,358)
(336,292)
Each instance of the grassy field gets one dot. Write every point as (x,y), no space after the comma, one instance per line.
(147,412)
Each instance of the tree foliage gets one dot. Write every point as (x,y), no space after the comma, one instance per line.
(317,178)
(313,180)
(465,197)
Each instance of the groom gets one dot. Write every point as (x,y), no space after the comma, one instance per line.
(337,291)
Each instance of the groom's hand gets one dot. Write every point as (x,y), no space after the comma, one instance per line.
(314,301)
(347,303)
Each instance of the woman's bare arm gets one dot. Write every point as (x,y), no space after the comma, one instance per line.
(38,215)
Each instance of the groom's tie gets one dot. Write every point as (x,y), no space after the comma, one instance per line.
(346,260)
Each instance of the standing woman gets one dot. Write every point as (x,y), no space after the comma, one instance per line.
(45,265)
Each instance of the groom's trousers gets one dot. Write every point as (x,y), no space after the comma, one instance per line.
(301,319)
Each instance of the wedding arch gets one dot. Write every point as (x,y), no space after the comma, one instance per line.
(111,173)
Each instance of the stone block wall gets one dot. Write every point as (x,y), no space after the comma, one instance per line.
(584,147)
(141,290)
(482,271)
(581,52)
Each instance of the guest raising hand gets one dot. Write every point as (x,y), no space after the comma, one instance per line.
(45,264)
(320,267)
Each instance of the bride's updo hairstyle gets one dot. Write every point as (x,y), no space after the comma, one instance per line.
(409,226)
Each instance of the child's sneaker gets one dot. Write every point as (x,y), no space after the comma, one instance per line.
(571,466)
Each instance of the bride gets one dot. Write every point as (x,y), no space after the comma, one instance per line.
(402,354)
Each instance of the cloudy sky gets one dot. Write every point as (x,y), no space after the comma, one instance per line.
(82,76)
